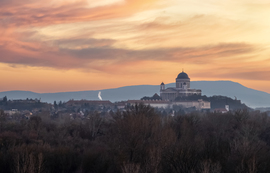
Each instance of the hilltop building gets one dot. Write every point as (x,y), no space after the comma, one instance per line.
(182,88)
(175,96)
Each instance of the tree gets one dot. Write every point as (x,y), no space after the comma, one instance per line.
(60,104)
(55,105)
(5,99)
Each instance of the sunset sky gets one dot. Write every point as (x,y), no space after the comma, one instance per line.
(74,45)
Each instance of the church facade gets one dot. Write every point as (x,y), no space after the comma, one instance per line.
(182,88)
(167,98)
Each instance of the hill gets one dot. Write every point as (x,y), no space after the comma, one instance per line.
(252,98)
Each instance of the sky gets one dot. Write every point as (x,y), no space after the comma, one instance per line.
(75,45)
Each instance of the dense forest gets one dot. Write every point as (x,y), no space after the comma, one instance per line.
(140,140)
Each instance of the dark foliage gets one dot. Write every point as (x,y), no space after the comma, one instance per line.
(138,140)
(23,104)
(154,97)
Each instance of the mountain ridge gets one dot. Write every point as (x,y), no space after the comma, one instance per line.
(251,97)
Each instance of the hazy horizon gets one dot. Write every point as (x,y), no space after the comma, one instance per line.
(127,86)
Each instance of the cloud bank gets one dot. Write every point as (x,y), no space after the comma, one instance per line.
(116,37)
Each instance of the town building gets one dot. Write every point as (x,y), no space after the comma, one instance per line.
(222,110)
(197,104)
(89,103)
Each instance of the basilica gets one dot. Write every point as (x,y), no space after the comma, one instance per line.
(175,96)
(181,89)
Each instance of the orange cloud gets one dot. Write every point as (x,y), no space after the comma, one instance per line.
(103,57)
(101,43)
(38,13)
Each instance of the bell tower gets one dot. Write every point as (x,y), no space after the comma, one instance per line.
(162,86)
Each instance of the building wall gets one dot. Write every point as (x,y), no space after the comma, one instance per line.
(199,105)
(170,94)
(180,83)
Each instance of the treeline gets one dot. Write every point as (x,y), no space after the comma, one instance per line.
(28,104)
(140,140)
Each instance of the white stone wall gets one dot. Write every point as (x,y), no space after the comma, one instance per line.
(180,83)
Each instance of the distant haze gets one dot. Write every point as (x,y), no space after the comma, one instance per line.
(252,98)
